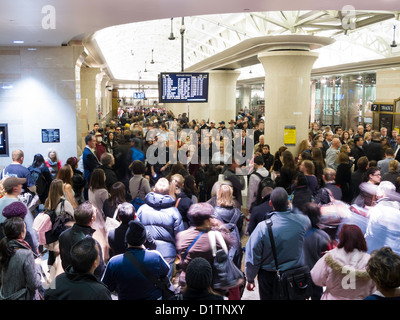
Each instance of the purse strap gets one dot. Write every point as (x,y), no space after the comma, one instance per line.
(116,212)
(191,245)
(142,269)
(271,238)
(213,236)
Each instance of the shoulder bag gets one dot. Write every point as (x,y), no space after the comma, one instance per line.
(164,284)
(137,202)
(112,223)
(292,284)
(226,274)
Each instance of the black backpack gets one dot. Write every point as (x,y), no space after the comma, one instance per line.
(42,187)
(264,182)
(58,223)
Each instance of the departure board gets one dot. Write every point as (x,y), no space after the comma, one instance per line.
(183,87)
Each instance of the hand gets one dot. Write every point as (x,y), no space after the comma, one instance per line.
(250,286)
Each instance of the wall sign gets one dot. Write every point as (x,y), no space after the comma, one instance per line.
(50,135)
(289,135)
(4,140)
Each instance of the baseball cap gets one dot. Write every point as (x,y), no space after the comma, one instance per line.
(12,182)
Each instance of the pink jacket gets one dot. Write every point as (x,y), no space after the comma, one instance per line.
(343,274)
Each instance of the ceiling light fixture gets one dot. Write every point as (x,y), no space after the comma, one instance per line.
(18,41)
(394,44)
(152,61)
(145,66)
(171,36)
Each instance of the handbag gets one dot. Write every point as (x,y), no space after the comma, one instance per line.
(226,274)
(137,202)
(112,223)
(164,284)
(292,284)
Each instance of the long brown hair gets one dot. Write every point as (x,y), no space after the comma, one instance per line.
(56,191)
(65,174)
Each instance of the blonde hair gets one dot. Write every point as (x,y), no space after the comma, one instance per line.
(179,180)
(225,196)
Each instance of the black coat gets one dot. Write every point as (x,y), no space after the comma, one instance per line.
(77,286)
(71,236)
(357,153)
(258,213)
(375,151)
(111,176)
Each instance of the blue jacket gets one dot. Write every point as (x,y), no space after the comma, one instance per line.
(163,221)
(131,284)
(288,229)
(90,162)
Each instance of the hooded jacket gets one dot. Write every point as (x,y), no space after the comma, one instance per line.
(77,286)
(343,274)
(163,221)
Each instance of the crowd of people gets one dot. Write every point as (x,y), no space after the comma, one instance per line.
(168,180)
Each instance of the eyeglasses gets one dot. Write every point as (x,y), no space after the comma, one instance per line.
(377,175)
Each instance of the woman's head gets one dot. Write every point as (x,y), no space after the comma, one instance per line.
(38,160)
(65,174)
(308,167)
(14,228)
(351,237)
(313,211)
(73,162)
(225,196)
(56,191)
(137,167)
(97,179)
(117,193)
(384,268)
(198,213)
(52,154)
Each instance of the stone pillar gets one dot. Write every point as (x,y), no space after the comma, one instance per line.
(287,95)
(88,93)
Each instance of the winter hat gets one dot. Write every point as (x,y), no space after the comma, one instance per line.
(136,233)
(15,209)
(199,274)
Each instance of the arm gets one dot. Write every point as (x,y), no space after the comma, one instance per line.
(319,273)
(69,195)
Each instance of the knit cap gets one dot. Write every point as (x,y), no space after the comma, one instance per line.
(199,274)
(136,233)
(15,209)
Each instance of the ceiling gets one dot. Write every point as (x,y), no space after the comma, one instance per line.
(133,33)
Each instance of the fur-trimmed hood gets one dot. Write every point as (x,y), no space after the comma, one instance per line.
(337,259)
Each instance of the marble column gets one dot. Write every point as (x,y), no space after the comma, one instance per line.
(287,95)
(88,93)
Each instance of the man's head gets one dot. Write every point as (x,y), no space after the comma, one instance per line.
(136,233)
(329,175)
(85,256)
(162,186)
(258,162)
(359,141)
(389,153)
(96,127)
(85,214)
(279,199)
(13,185)
(328,136)
(383,132)
(360,130)
(90,141)
(336,143)
(107,159)
(17,156)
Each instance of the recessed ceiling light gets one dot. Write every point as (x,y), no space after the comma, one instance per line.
(31,49)
(18,41)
